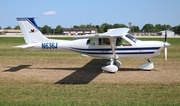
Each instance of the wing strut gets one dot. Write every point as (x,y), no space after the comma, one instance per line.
(112,47)
(112,64)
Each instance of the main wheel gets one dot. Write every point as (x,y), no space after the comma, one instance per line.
(110,68)
(118,63)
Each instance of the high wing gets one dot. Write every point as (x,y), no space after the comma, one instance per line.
(111,33)
(117,32)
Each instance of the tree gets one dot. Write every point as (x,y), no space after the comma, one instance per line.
(148,28)
(102,27)
(96,26)
(119,25)
(76,26)
(135,29)
(0,27)
(165,27)
(158,27)
(8,27)
(58,30)
(46,30)
(176,29)
(89,26)
(116,25)
(17,27)
(108,26)
(82,26)
(100,30)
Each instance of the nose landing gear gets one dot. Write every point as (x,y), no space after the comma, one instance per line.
(146,66)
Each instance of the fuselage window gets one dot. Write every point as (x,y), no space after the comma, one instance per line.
(104,41)
(91,41)
(88,42)
(122,42)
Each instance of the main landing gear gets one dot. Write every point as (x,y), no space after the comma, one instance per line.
(146,66)
(112,66)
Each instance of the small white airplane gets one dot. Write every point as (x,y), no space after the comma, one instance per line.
(113,44)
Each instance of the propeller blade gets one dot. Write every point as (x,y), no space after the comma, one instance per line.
(165,53)
(165,45)
(165,40)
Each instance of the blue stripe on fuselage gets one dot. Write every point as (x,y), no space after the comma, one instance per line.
(123,53)
(109,49)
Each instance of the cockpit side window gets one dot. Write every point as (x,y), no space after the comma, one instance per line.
(90,41)
(131,38)
(104,41)
(122,42)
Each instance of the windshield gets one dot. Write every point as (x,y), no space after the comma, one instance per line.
(131,37)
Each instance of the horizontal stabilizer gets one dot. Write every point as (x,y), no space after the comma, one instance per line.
(24,46)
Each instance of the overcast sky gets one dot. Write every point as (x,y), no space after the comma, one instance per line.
(68,13)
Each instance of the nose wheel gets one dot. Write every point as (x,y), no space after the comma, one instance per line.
(146,66)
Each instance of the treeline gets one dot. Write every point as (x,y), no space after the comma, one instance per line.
(105,26)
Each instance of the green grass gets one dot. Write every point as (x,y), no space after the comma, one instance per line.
(37,93)
(102,94)
(6,44)
(7,50)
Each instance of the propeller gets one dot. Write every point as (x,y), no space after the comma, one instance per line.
(165,45)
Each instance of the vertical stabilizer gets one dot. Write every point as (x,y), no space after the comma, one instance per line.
(30,30)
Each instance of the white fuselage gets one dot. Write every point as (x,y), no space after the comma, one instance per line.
(140,49)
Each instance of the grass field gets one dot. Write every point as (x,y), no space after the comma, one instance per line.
(56,78)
